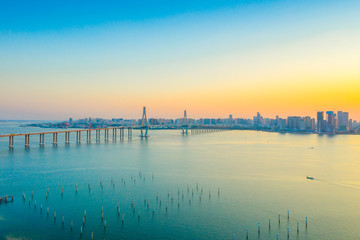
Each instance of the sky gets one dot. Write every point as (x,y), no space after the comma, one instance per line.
(61,59)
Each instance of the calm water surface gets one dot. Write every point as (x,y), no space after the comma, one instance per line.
(259,174)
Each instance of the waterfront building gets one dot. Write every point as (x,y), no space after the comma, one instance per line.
(321,127)
(281,123)
(258,120)
(153,121)
(343,120)
(293,123)
(302,125)
(331,121)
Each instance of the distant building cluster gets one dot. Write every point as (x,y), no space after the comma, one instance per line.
(332,122)
(325,122)
(292,123)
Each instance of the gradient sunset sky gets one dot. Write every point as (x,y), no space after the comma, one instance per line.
(61,59)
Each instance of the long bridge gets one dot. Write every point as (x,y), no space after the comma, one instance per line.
(67,135)
(144,127)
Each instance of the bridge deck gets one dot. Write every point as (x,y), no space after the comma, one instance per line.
(63,131)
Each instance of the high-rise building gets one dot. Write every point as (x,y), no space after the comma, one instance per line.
(320,122)
(346,119)
(281,123)
(340,117)
(331,121)
(294,123)
(313,125)
(309,123)
(258,120)
(343,120)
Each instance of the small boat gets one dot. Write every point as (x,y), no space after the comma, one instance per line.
(310,178)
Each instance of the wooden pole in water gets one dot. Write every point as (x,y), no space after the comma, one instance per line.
(288,232)
(288,213)
(297,227)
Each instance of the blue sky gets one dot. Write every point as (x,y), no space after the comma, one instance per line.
(33,16)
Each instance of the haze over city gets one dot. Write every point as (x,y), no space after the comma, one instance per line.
(213,58)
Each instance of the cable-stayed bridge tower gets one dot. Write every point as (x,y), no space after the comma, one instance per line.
(185,124)
(144,125)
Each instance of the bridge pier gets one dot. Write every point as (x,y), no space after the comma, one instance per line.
(129,132)
(114,134)
(55,138)
(42,140)
(88,136)
(67,137)
(122,130)
(106,137)
(78,136)
(97,135)
(27,141)
(11,142)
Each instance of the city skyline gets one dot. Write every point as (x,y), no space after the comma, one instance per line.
(167,116)
(339,122)
(229,115)
(212,58)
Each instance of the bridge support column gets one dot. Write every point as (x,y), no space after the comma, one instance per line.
(130,132)
(54,138)
(27,141)
(106,134)
(97,135)
(42,140)
(78,136)
(67,137)
(88,136)
(11,142)
(114,134)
